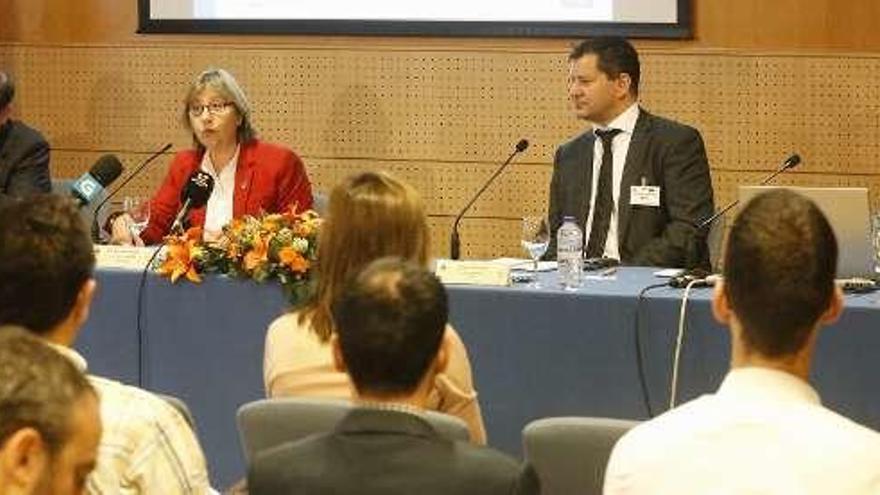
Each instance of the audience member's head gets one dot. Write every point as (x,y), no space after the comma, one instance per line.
(46,267)
(390,322)
(49,419)
(779,269)
(370,215)
(7,92)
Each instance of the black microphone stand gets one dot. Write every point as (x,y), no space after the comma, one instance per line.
(96,229)
(454,238)
(697,262)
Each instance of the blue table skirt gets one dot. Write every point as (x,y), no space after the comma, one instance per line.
(535,352)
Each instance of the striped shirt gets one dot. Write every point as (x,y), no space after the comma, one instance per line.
(147,446)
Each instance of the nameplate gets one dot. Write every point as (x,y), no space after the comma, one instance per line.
(472,273)
(127,257)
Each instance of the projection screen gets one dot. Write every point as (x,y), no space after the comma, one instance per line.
(539,18)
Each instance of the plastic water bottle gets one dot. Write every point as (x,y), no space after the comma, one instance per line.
(569,246)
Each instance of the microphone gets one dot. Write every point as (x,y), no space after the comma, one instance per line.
(195,194)
(454,239)
(702,229)
(95,227)
(92,183)
(790,162)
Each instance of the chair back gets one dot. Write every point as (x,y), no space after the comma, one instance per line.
(180,407)
(715,243)
(268,423)
(570,454)
(320,201)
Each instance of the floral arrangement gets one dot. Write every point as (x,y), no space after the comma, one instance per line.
(278,246)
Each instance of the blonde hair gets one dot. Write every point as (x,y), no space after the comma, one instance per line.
(221,81)
(370,216)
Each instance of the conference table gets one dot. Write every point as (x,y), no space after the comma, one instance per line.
(536,352)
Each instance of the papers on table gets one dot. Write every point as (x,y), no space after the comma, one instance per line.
(525,265)
(127,257)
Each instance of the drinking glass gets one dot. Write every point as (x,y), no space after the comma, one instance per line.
(138,209)
(535,238)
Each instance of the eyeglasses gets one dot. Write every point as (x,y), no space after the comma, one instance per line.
(214,108)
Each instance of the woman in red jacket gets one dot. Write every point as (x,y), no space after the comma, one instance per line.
(250,176)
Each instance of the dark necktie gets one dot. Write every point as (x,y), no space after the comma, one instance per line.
(604,196)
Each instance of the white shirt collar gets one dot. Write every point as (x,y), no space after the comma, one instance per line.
(207,165)
(765,384)
(626,121)
(74,357)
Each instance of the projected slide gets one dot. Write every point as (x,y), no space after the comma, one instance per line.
(444,17)
(407,10)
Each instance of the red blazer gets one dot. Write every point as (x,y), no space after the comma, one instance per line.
(268,178)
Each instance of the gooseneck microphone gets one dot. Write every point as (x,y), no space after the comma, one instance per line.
(95,227)
(693,265)
(195,194)
(790,162)
(90,184)
(454,238)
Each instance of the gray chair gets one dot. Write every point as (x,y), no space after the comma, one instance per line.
(715,243)
(180,407)
(268,423)
(570,454)
(320,202)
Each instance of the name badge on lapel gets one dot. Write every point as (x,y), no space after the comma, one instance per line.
(644,196)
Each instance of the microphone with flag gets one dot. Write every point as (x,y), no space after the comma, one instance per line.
(91,184)
(195,194)
(96,230)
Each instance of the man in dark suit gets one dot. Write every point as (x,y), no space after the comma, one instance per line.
(637,184)
(390,323)
(24,154)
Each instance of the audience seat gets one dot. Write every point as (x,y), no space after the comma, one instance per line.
(268,423)
(570,453)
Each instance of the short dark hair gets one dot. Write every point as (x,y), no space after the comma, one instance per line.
(390,321)
(46,256)
(779,271)
(615,56)
(38,388)
(7,90)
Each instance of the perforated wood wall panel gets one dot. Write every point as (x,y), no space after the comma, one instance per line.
(443,120)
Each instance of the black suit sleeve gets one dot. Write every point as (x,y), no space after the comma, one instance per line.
(554,211)
(30,173)
(687,199)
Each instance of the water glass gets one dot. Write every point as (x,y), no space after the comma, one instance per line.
(138,209)
(535,239)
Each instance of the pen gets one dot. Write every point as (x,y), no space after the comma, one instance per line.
(608,272)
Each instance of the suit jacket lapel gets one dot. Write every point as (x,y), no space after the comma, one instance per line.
(244,174)
(632,171)
(587,177)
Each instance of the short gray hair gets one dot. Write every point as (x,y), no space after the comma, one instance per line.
(221,81)
(38,388)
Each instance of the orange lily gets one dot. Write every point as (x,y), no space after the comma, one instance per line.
(257,255)
(293,260)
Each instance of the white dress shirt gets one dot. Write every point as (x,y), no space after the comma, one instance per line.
(763,432)
(626,122)
(219,210)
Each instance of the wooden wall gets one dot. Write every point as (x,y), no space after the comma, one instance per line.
(760,81)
